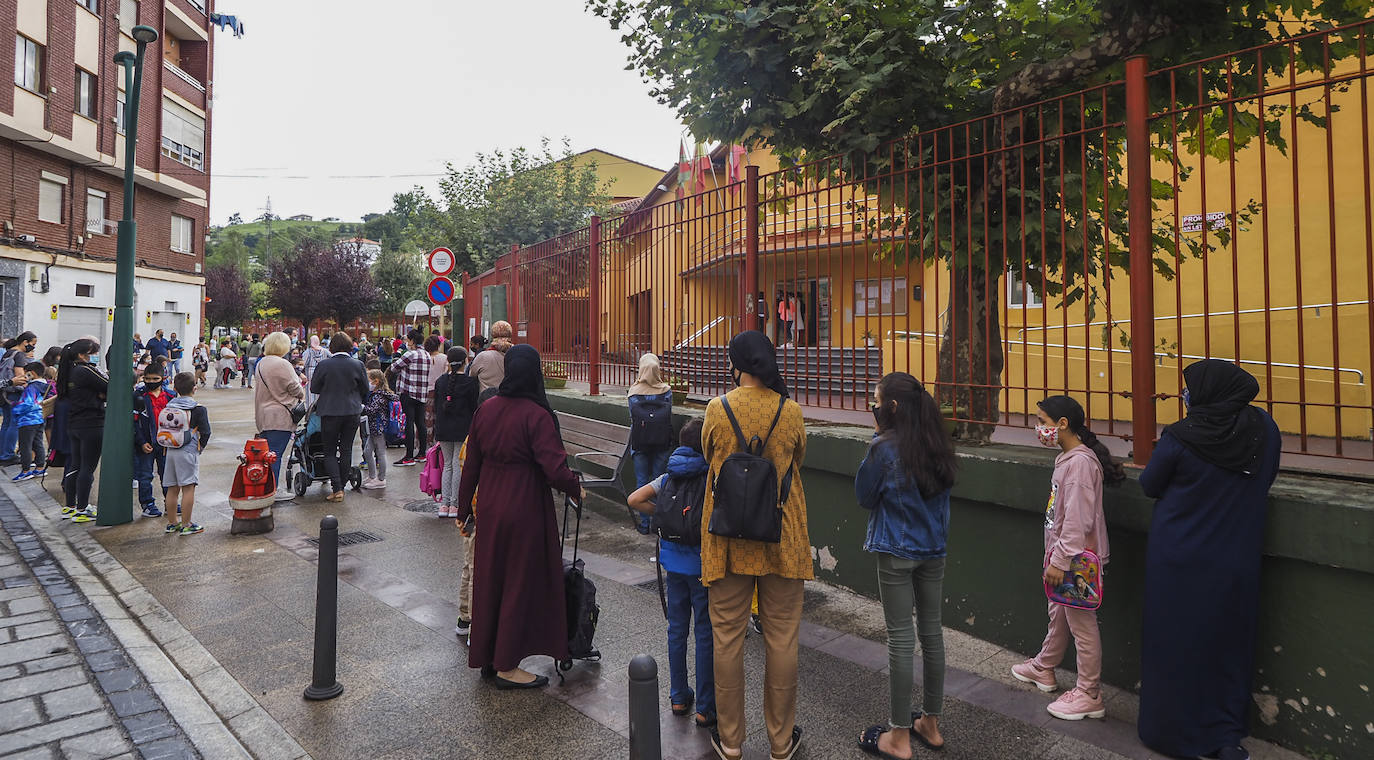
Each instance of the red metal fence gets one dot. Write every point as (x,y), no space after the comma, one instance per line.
(1092,244)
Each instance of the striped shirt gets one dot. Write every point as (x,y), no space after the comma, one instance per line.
(412,374)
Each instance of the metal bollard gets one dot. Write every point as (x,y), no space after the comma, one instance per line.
(645,741)
(324,684)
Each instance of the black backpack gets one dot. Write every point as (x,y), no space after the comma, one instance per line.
(677,510)
(747,502)
(651,423)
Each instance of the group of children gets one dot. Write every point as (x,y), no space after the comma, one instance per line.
(170,432)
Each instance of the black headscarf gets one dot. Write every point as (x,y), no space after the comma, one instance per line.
(751,351)
(524,378)
(1221,427)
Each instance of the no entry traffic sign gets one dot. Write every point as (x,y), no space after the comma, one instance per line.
(440,291)
(441,262)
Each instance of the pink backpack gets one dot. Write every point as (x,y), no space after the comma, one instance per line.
(432,476)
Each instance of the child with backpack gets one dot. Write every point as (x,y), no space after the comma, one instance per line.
(377,410)
(1074,523)
(674,501)
(651,427)
(904,482)
(455,401)
(183,429)
(28,418)
(150,399)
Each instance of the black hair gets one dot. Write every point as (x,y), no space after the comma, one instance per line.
(690,435)
(433,342)
(35,366)
(52,356)
(184,383)
(23,337)
(457,357)
(373,363)
(489,393)
(68,361)
(340,343)
(416,336)
(155,367)
(912,417)
(1067,408)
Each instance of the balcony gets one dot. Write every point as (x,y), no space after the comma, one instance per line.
(183,84)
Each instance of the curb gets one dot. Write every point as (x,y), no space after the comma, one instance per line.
(218,715)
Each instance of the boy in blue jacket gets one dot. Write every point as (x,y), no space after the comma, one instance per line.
(28,418)
(150,399)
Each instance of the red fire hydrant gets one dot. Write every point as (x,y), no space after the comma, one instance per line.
(254,488)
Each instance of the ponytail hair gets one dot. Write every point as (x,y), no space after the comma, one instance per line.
(68,361)
(910,414)
(1065,407)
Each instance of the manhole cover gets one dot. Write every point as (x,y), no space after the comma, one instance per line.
(352,538)
(422,505)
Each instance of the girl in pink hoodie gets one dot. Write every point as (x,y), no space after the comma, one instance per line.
(1074,522)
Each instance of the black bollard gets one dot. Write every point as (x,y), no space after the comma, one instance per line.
(645,742)
(324,684)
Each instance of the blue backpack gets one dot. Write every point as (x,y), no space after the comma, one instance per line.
(395,425)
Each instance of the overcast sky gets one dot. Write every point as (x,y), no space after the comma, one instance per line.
(319,97)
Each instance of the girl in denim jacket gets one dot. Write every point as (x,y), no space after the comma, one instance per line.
(904,482)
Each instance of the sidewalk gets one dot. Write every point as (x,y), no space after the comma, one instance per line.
(249,600)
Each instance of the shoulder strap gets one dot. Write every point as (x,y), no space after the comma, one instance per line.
(734,423)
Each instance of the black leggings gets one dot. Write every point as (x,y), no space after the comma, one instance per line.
(81,463)
(414,409)
(337,433)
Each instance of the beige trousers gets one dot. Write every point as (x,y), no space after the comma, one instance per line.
(780,607)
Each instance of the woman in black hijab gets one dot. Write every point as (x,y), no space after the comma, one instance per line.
(1211,473)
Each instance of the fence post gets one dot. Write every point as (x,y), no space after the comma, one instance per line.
(513,302)
(1142,258)
(594,306)
(751,247)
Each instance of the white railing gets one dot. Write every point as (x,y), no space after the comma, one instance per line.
(182,75)
(702,331)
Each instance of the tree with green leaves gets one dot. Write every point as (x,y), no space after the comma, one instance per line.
(400,276)
(849,77)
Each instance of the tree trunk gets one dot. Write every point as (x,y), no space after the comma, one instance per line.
(971,359)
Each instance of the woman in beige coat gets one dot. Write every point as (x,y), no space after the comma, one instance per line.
(278,390)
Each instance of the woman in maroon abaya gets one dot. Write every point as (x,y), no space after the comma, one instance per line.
(515,453)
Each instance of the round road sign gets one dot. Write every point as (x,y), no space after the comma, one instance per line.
(440,291)
(441,262)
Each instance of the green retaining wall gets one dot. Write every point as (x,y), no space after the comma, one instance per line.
(1316,647)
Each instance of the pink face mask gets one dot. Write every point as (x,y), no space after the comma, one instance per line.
(1048,435)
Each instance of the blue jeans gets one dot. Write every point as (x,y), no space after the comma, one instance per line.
(648,465)
(9,434)
(252,370)
(686,601)
(276,441)
(143,471)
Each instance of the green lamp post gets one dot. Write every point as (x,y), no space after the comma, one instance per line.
(116,466)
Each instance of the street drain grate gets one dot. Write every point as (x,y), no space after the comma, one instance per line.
(422,505)
(352,538)
(649,585)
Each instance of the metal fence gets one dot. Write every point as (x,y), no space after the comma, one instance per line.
(1092,244)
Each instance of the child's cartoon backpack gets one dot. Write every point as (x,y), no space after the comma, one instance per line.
(432,476)
(395,424)
(1082,586)
(174,427)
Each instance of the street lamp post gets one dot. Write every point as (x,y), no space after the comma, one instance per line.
(116,466)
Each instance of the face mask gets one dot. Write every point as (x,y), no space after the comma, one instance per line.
(874,408)
(95,361)
(735,375)
(1048,435)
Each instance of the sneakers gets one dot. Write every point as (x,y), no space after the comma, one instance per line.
(1077,704)
(191,530)
(23,476)
(171,528)
(151,511)
(373,484)
(404,462)
(43,473)
(67,512)
(1229,753)
(286,495)
(447,511)
(1026,672)
(463,628)
(84,515)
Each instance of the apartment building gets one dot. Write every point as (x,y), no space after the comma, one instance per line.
(62,133)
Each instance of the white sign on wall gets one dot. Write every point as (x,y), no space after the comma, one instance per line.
(1217,220)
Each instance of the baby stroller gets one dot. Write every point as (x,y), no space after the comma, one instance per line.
(307,452)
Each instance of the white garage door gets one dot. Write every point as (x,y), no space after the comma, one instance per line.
(168,322)
(77,321)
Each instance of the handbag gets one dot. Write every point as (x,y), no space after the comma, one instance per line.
(1082,586)
(297,412)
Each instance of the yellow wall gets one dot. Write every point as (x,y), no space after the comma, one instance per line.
(627,179)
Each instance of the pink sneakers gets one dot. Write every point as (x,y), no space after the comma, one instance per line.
(1077,704)
(1028,673)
